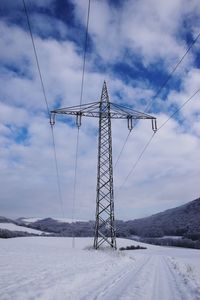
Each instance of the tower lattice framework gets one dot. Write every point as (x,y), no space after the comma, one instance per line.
(104,226)
(105,110)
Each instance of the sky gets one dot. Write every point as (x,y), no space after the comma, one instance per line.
(134,46)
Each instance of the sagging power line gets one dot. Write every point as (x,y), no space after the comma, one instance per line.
(151,138)
(150,104)
(47,106)
(172,72)
(78,125)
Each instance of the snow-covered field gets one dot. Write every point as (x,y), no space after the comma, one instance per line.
(63,220)
(14,227)
(49,268)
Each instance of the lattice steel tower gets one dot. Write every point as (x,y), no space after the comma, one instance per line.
(104,110)
(105,197)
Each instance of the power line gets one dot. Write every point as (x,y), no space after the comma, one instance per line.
(137,161)
(78,124)
(57,172)
(156,94)
(75,184)
(47,106)
(122,149)
(36,57)
(176,111)
(85,51)
(151,138)
(81,93)
(161,88)
(172,72)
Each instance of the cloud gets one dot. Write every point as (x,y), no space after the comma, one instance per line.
(190,114)
(149,30)
(136,33)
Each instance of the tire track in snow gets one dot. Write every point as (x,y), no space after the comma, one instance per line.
(189,290)
(123,281)
(166,283)
(149,278)
(113,287)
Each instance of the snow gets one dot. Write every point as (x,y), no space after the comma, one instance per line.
(66,220)
(63,220)
(173,237)
(14,227)
(49,268)
(30,220)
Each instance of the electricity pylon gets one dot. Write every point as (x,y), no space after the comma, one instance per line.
(105,110)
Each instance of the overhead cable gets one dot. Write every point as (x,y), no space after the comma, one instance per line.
(137,161)
(78,125)
(85,51)
(156,94)
(75,185)
(57,172)
(176,111)
(122,149)
(36,57)
(151,138)
(172,72)
(161,88)
(47,105)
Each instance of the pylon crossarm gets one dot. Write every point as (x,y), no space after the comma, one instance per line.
(82,107)
(115,111)
(129,111)
(95,114)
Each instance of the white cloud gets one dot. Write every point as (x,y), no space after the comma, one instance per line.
(167,174)
(190,113)
(145,28)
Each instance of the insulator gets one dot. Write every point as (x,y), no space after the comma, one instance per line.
(78,119)
(130,122)
(52,119)
(154,125)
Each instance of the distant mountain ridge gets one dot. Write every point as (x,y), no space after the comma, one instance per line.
(6,220)
(183,221)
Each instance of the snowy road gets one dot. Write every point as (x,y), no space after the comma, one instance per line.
(151,278)
(50,269)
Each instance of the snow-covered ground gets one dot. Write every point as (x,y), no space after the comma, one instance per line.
(63,220)
(173,237)
(31,220)
(50,268)
(14,227)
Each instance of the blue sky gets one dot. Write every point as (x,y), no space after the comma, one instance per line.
(133,45)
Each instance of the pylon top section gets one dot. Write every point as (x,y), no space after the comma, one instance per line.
(104,94)
(92,109)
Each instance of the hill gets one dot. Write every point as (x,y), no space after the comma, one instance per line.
(180,221)
(13,228)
